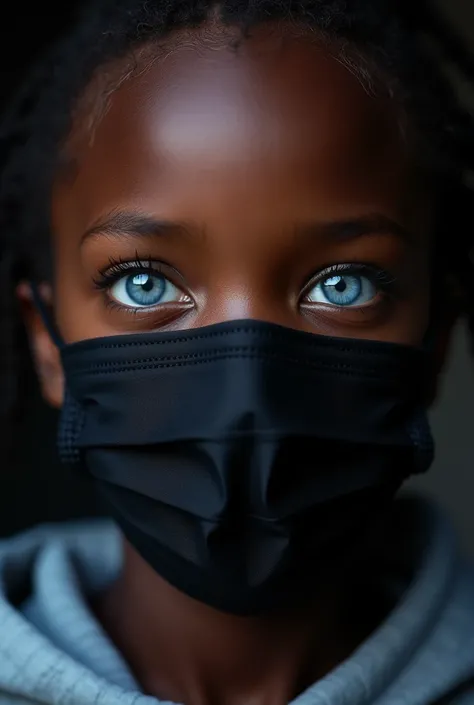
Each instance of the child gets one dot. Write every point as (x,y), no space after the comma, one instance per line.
(240,235)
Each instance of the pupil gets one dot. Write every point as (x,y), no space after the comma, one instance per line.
(341,286)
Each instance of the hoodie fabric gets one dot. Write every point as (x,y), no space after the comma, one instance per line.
(52,650)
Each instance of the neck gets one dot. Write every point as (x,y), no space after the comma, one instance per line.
(184,651)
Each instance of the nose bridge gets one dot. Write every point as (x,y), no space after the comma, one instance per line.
(247,299)
(249,270)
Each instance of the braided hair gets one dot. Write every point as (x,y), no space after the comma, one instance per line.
(404,41)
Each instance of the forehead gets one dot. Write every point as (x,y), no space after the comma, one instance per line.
(278,109)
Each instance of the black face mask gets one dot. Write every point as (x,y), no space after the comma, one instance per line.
(244,459)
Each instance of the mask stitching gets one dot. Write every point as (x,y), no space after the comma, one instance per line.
(136,365)
(364,346)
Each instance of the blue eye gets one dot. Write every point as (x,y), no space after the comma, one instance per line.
(144,289)
(344,290)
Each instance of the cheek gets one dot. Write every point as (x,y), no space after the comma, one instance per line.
(415,313)
(413,322)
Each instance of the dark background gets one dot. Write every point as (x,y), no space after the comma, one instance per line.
(36,489)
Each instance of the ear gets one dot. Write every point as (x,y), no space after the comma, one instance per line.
(45,353)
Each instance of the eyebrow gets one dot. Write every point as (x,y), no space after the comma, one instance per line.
(129,224)
(353,228)
(120,224)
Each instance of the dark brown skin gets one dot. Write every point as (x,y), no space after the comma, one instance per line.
(258,166)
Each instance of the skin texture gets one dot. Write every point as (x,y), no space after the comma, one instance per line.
(261,167)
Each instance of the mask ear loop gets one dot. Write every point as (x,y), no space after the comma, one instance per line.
(72,416)
(46,317)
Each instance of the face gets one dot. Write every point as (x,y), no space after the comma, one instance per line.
(263,182)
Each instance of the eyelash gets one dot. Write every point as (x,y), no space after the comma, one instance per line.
(384,280)
(117,268)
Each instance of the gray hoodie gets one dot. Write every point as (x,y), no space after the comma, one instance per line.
(52,650)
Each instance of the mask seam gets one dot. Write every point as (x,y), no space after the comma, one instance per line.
(150,363)
(371,346)
(217,353)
